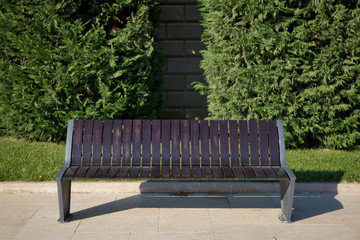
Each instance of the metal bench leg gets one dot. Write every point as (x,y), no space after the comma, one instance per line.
(287,188)
(64,192)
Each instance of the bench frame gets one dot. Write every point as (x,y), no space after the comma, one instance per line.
(287,185)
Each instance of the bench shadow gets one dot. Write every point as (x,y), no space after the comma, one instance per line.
(305,205)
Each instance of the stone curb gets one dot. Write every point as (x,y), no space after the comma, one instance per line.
(176,187)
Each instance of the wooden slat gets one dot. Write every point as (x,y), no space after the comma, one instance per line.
(127,143)
(175,142)
(116,161)
(165,142)
(136,142)
(196,172)
(270,173)
(146,143)
(274,144)
(70,172)
(207,172)
(97,142)
(204,138)
(234,143)
(134,172)
(107,136)
(280,172)
(165,172)
(145,172)
(91,173)
(239,173)
(218,173)
(254,147)
(124,172)
(224,143)
(185,143)
(175,172)
(87,139)
(113,172)
(186,172)
(77,143)
(244,143)
(195,155)
(260,174)
(214,140)
(80,173)
(249,173)
(155,172)
(101,174)
(155,139)
(264,143)
(228,172)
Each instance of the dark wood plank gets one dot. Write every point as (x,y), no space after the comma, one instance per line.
(107,136)
(254,147)
(91,173)
(264,143)
(234,143)
(274,144)
(77,143)
(80,173)
(126,158)
(260,174)
(113,172)
(134,172)
(155,172)
(165,172)
(70,172)
(124,172)
(155,139)
(239,173)
(175,142)
(270,173)
(145,172)
(101,174)
(195,154)
(136,142)
(224,143)
(244,143)
(97,142)
(185,143)
(146,143)
(175,172)
(206,172)
(87,139)
(116,161)
(196,172)
(249,173)
(186,172)
(217,172)
(280,172)
(204,138)
(214,140)
(228,172)
(165,142)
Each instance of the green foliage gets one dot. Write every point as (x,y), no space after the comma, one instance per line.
(62,59)
(293,60)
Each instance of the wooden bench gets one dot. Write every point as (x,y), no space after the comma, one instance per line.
(189,150)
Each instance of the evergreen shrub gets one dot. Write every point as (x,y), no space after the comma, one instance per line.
(62,59)
(294,60)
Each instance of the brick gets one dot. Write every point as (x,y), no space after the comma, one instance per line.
(160,32)
(172,114)
(189,79)
(193,47)
(184,99)
(183,65)
(174,82)
(172,13)
(192,13)
(196,114)
(184,30)
(172,48)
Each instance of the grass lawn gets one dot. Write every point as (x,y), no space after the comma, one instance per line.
(33,161)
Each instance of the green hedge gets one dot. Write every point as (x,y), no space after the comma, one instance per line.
(76,59)
(293,60)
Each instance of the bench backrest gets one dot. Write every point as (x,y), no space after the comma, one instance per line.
(173,142)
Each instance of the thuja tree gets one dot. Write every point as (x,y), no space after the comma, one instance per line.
(76,59)
(298,61)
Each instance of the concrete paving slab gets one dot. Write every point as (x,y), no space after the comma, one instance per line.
(242,232)
(101,235)
(353,224)
(171,236)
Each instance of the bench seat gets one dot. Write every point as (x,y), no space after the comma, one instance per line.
(176,150)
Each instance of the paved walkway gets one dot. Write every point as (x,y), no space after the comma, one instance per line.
(165,216)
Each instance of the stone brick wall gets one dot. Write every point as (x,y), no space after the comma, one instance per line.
(180,33)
